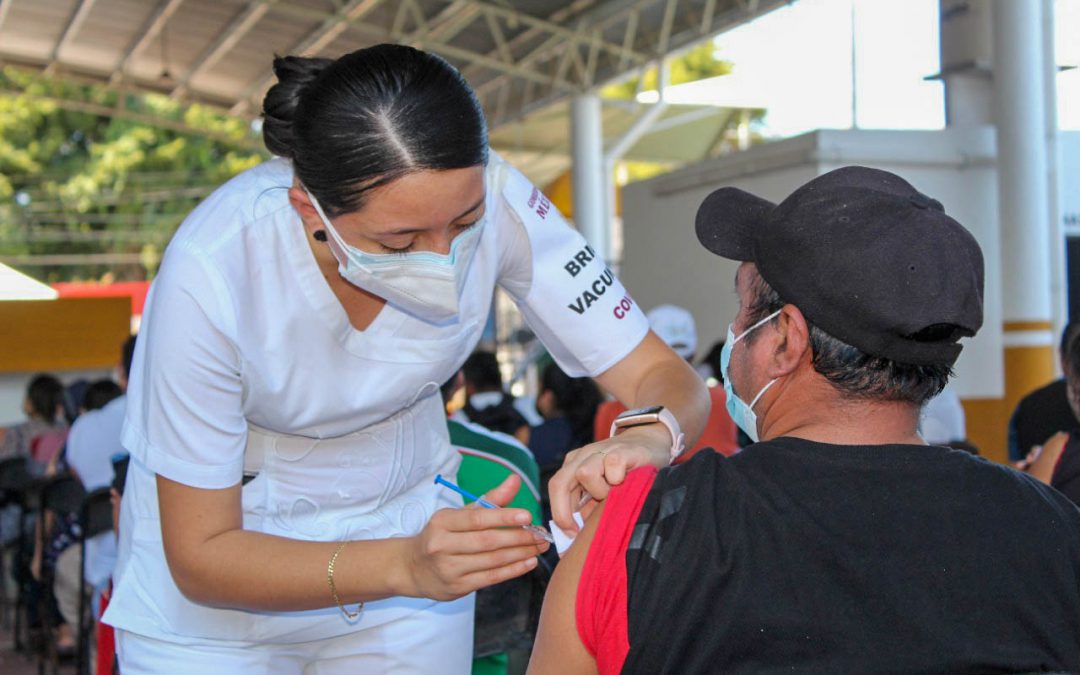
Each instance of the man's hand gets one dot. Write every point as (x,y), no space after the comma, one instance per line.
(589,472)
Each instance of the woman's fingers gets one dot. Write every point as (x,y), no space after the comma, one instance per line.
(497,575)
(478,518)
(463,542)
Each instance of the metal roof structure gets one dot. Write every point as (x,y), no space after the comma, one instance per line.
(519,55)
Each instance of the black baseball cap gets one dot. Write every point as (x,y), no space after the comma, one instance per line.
(864,256)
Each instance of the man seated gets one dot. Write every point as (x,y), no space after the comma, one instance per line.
(1057,461)
(1045,411)
(841,542)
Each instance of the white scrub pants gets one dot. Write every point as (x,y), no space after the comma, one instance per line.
(438,640)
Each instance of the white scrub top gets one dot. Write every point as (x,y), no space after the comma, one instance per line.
(247,363)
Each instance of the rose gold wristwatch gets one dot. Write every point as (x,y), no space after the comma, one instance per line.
(656,414)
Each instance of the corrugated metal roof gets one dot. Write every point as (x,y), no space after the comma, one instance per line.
(520,56)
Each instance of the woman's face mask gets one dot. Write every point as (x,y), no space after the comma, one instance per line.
(425,284)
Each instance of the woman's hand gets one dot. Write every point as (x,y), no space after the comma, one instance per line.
(593,469)
(462,550)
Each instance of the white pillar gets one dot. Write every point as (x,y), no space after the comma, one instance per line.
(1059,285)
(1019,101)
(966,48)
(587,148)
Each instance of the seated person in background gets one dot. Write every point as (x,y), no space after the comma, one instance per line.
(486,403)
(487,458)
(43,433)
(61,550)
(841,542)
(568,405)
(1057,461)
(676,327)
(1044,412)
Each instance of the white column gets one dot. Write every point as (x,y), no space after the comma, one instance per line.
(966,48)
(587,172)
(1059,285)
(1019,101)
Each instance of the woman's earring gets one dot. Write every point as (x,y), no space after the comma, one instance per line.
(320,235)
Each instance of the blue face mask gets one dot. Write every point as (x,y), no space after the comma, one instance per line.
(742,414)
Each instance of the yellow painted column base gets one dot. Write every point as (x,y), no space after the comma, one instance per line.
(1027,367)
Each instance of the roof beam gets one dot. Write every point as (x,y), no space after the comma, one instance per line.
(70,31)
(5,7)
(553,29)
(530,33)
(225,41)
(312,43)
(623,51)
(441,47)
(147,35)
(448,23)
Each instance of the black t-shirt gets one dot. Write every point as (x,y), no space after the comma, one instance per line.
(1066,478)
(795,556)
(1037,417)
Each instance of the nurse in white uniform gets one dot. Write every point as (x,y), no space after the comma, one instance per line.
(284,418)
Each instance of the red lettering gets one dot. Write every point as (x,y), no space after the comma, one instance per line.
(623,307)
(532,197)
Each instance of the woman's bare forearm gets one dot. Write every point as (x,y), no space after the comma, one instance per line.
(214,561)
(248,570)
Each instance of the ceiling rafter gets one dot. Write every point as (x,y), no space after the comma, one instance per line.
(312,43)
(684,31)
(548,48)
(78,16)
(228,38)
(528,34)
(151,29)
(498,37)
(517,61)
(553,29)
(440,46)
(5,8)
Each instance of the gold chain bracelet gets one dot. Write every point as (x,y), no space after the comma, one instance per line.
(333,589)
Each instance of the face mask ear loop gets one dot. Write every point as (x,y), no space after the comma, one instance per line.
(326,221)
(761,393)
(757,325)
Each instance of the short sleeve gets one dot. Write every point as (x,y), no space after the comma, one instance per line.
(185,417)
(600,610)
(568,295)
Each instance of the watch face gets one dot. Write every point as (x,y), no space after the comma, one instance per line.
(651,410)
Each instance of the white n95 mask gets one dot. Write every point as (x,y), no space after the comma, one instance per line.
(425,284)
(742,415)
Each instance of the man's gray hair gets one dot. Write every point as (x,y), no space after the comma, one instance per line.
(852,372)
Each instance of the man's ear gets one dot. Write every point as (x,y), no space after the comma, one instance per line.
(793,344)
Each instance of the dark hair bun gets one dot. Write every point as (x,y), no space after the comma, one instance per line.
(294,74)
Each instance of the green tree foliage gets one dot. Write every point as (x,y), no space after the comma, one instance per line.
(696,64)
(85,169)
